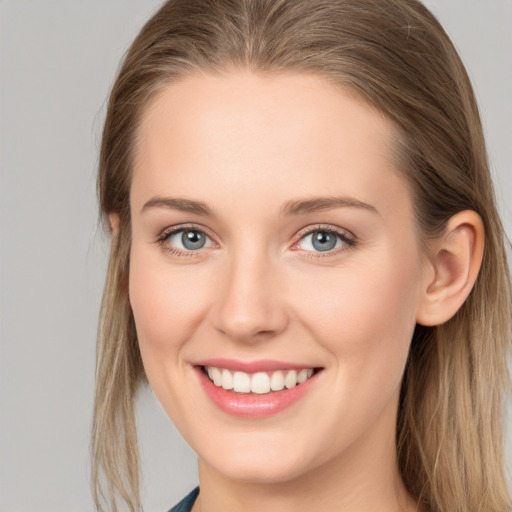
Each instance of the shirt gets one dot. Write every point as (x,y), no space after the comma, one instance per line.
(185,505)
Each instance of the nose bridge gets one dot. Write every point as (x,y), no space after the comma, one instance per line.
(249,305)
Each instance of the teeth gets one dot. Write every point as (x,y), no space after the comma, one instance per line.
(290,381)
(216,376)
(260,383)
(302,376)
(227,379)
(277,381)
(241,382)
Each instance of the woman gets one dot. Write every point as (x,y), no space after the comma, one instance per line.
(307,265)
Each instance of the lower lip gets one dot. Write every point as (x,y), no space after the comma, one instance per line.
(253,406)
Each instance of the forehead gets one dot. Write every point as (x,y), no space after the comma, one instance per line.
(290,133)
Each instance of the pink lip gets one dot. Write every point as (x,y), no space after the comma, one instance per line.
(263,365)
(252,405)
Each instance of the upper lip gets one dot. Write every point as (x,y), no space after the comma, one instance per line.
(262,365)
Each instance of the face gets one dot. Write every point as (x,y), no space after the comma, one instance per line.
(273,247)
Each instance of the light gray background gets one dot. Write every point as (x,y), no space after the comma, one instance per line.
(57,62)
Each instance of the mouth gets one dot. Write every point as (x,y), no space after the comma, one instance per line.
(261,391)
(258,383)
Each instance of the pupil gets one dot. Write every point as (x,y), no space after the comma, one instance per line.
(192,240)
(323,241)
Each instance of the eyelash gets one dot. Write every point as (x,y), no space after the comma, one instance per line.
(349,241)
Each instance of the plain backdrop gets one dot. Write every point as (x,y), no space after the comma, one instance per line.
(57,63)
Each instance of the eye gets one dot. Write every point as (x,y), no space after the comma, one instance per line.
(184,240)
(325,240)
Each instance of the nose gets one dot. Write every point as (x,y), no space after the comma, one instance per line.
(250,305)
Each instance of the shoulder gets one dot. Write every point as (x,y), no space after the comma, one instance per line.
(185,505)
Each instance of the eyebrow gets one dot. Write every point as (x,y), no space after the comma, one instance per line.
(314,204)
(292,207)
(182,205)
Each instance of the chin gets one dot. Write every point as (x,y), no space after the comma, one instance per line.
(269,472)
(265,464)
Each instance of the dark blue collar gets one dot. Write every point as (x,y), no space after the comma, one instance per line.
(185,505)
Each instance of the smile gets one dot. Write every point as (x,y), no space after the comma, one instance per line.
(262,390)
(259,383)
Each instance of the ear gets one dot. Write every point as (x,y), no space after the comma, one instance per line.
(113,220)
(454,261)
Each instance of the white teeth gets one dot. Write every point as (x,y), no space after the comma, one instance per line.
(302,376)
(290,381)
(260,383)
(277,381)
(227,379)
(241,382)
(216,376)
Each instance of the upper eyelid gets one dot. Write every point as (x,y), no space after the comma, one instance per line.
(326,227)
(183,227)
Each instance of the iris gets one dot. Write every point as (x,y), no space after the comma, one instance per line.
(323,241)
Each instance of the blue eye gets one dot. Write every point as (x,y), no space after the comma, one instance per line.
(187,241)
(184,240)
(324,240)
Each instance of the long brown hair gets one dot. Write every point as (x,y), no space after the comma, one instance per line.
(395,55)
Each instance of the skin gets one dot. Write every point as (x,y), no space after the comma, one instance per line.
(246,145)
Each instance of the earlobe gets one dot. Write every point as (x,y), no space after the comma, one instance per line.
(113,220)
(455,261)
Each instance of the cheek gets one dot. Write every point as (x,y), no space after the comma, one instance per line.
(165,304)
(364,315)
